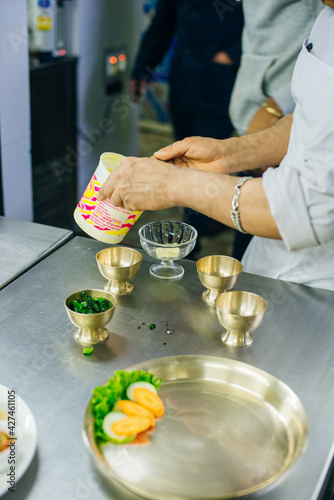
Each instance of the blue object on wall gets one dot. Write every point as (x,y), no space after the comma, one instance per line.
(149,5)
(44,3)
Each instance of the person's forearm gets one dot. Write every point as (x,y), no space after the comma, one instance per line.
(262,149)
(149,184)
(229,156)
(212,194)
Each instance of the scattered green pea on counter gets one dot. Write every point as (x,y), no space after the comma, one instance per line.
(88,351)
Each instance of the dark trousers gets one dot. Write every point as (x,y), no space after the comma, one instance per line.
(187,124)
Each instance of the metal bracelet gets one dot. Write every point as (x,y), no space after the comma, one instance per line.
(272,111)
(235,214)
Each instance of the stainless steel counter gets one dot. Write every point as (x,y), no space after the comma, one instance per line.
(46,367)
(23,244)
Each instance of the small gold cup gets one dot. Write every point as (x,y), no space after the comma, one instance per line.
(118,265)
(239,313)
(218,273)
(91,327)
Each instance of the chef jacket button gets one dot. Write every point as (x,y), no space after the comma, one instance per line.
(309,47)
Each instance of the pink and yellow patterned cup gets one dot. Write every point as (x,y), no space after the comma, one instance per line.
(100,219)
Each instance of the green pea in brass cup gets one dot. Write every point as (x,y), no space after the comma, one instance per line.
(218,273)
(119,265)
(239,313)
(91,327)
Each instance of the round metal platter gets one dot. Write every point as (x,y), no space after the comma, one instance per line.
(229,430)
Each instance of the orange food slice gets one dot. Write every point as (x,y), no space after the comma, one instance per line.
(133,409)
(149,400)
(131,425)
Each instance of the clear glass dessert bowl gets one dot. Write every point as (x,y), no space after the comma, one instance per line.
(167,241)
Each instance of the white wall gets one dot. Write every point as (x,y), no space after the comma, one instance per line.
(15,110)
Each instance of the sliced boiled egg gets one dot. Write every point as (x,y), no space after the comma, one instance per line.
(108,421)
(135,385)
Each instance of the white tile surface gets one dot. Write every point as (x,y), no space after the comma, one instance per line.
(94,107)
(100,25)
(71,27)
(16,179)
(91,96)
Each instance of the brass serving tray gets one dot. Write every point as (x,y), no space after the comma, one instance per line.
(229,430)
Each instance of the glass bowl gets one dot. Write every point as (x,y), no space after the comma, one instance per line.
(167,241)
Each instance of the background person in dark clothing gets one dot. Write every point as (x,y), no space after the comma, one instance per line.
(203,70)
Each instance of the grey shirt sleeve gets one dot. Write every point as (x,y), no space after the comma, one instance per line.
(284,99)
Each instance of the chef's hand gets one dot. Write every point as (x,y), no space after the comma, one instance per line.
(140,184)
(201,153)
(138,89)
(262,118)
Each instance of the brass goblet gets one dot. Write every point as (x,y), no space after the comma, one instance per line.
(218,273)
(92,329)
(118,265)
(239,313)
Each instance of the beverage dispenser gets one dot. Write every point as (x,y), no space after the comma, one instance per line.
(46,25)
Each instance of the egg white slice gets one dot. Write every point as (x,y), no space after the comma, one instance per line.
(108,421)
(135,385)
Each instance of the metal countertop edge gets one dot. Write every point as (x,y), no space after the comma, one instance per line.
(38,259)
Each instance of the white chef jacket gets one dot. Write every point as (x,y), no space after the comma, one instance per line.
(300,191)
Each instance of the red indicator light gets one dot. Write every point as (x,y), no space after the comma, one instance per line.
(62,52)
(122,57)
(113,60)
